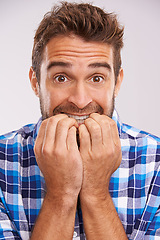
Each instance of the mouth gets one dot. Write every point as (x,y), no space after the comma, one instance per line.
(80,119)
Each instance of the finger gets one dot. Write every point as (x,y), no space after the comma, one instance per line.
(104,121)
(40,137)
(115,134)
(84,136)
(95,132)
(50,132)
(72,139)
(109,129)
(62,131)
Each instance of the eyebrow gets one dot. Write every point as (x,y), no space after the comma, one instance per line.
(58,64)
(100,64)
(67,64)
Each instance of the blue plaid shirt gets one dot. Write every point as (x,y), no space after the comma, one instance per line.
(134,187)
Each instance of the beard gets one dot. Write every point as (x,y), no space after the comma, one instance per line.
(71,108)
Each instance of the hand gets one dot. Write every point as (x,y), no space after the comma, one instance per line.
(100,150)
(58,156)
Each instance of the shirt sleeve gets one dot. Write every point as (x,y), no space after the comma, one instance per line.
(147,227)
(147,230)
(153,231)
(7,228)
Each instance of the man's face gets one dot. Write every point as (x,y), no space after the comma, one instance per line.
(77,78)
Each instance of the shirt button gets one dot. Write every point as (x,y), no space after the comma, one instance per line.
(75,234)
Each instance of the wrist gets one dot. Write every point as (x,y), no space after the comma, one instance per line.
(66,202)
(100,218)
(94,196)
(94,207)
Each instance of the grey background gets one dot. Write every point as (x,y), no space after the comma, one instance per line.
(138,101)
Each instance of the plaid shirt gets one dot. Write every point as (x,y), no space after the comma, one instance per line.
(134,187)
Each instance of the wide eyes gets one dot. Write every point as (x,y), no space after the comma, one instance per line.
(95,79)
(61,79)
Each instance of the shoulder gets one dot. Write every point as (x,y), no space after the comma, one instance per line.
(12,141)
(140,144)
(23,132)
(137,134)
(132,136)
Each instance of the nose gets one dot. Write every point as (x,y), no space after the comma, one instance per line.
(80,95)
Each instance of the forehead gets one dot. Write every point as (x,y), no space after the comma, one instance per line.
(75,48)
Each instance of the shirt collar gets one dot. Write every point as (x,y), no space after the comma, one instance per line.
(36,128)
(116,118)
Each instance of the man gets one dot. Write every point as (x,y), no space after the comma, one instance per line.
(79,172)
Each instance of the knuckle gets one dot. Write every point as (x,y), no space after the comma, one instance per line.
(113,124)
(36,149)
(96,132)
(118,148)
(94,115)
(51,120)
(45,150)
(44,123)
(95,128)
(104,122)
(58,152)
(110,152)
(61,123)
(97,155)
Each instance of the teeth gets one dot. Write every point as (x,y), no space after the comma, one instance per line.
(78,117)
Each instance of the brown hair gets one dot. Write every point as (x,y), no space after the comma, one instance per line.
(84,20)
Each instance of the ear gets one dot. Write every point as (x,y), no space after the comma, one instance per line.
(34,82)
(118,83)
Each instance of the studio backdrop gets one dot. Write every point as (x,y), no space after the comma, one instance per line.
(138,102)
